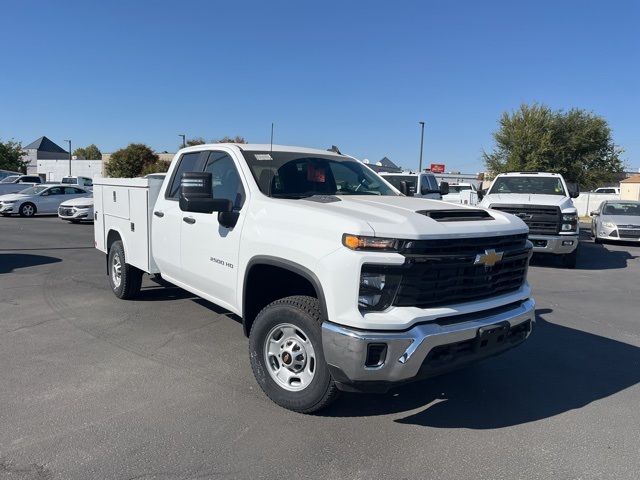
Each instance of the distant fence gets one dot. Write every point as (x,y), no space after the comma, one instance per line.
(589,201)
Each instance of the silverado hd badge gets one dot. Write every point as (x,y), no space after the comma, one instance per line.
(489,258)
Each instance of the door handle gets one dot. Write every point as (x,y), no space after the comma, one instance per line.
(158,213)
(189,220)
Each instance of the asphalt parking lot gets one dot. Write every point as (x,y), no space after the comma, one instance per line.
(92,387)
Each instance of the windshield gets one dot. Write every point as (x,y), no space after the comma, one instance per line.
(458,188)
(10,179)
(535,185)
(33,190)
(299,175)
(630,209)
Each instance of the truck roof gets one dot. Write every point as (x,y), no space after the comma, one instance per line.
(530,174)
(263,147)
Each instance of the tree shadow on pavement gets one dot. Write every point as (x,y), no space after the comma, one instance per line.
(13,261)
(556,370)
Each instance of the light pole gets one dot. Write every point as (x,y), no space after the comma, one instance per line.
(69,141)
(184,143)
(421,144)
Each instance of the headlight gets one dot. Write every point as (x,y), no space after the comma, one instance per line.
(82,206)
(377,288)
(359,242)
(608,225)
(569,222)
(8,201)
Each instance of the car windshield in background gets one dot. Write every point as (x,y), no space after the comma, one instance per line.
(33,190)
(10,179)
(536,185)
(631,209)
(299,175)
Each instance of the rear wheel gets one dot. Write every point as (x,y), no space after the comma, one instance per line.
(27,210)
(285,345)
(125,279)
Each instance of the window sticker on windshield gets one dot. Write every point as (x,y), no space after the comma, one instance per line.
(263,156)
(316,174)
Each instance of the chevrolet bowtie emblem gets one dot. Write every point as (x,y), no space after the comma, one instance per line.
(489,258)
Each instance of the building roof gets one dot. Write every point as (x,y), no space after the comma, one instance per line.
(43,144)
(633,179)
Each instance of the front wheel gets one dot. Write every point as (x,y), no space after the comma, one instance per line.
(285,345)
(125,279)
(27,210)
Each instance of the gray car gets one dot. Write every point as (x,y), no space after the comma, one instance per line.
(616,220)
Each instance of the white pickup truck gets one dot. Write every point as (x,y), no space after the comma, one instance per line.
(17,183)
(543,202)
(341,282)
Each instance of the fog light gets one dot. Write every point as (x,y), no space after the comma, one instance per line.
(376,354)
(566,243)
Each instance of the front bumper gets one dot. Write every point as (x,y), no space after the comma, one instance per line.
(558,245)
(425,350)
(73,213)
(7,208)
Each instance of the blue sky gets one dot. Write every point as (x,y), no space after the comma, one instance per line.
(359,75)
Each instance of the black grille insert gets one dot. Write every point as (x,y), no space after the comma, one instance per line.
(541,219)
(445,272)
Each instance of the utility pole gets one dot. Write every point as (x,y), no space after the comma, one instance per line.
(184,142)
(69,141)
(421,144)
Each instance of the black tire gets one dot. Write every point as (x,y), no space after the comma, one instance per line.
(27,209)
(130,277)
(597,240)
(302,312)
(570,260)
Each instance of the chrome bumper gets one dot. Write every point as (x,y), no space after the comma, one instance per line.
(345,349)
(554,244)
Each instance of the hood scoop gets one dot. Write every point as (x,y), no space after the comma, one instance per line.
(323,198)
(457,215)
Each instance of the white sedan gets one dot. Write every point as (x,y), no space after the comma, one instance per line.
(39,199)
(77,210)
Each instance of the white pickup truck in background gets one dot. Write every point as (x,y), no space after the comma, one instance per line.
(462,193)
(341,283)
(16,183)
(420,185)
(543,201)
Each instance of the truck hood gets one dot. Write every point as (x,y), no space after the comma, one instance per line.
(398,217)
(527,199)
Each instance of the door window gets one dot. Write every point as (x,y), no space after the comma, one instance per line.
(73,191)
(225,181)
(189,162)
(56,191)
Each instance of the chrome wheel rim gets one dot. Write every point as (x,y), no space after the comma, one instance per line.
(27,210)
(289,357)
(116,270)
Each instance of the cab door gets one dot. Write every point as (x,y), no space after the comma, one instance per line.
(209,250)
(50,199)
(167,218)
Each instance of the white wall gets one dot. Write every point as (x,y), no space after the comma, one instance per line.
(587,201)
(56,169)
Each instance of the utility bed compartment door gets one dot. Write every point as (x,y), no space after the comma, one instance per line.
(98,215)
(116,201)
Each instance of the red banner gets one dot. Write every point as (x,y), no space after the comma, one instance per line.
(437,168)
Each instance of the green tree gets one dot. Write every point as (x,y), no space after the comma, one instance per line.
(161,166)
(11,154)
(92,152)
(131,161)
(575,143)
(236,139)
(194,141)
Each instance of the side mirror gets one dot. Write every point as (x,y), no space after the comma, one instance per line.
(404,188)
(196,196)
(574,190)
(444,188)
(594,213)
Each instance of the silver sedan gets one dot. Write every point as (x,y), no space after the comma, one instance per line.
(39,199)
(616,220)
